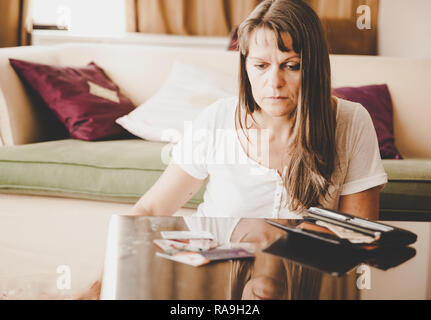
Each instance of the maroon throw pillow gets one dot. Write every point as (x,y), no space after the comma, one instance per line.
(377,100)
(84,99)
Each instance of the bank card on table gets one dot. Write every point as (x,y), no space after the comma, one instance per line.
(191,258)
(195,245)
(186,235)
(198,259)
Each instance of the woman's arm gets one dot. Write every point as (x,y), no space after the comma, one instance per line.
(171,191)
(363,204)
(174,188)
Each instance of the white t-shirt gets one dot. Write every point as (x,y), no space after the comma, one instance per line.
(238,186)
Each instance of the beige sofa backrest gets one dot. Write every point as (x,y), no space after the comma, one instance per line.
(20,122)
(409,82)
(140,71)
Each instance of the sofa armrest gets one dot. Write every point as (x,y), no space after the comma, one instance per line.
(5,125)
(22,118)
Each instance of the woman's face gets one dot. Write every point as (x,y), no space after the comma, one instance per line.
(274,75)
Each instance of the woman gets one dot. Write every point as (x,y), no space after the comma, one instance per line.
(320,150)
(317,150)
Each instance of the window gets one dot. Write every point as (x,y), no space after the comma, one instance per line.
(105,17)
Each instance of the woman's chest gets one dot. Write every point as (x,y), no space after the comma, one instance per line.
(269,154)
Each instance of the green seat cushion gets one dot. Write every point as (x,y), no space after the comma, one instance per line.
(408,190)
(118,170)
(123,170)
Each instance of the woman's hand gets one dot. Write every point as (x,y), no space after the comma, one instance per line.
(364,204)
(255,230)
(171,191)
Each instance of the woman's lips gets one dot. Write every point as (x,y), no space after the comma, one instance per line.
(277,98)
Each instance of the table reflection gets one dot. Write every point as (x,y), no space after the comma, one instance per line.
(282,268)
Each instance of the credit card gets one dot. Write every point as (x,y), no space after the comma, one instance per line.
(226,254)
(191,258)
(186,235)
(350,235)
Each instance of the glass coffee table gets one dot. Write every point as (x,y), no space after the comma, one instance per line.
(279,270)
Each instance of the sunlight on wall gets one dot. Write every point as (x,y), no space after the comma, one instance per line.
(403,28)
(105,17)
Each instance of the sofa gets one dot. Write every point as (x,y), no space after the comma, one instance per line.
(56,196)
(112,175)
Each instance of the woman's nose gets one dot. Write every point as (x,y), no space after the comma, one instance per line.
(276,78)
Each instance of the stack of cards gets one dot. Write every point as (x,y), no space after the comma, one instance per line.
(196,248)
(343,233)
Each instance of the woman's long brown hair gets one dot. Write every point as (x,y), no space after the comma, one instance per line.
(312,151)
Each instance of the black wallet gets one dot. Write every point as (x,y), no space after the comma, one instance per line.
(336,260)
(384,235)
(325,251)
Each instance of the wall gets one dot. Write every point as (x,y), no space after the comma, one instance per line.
(82,16)
(404,28)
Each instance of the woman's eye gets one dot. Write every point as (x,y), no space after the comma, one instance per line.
(294,67)
(259,66)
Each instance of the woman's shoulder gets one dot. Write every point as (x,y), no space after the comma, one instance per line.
(226,104)
(351,114)
(218,112)
(354,124)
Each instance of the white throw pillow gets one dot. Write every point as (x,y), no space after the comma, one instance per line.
(187,90)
